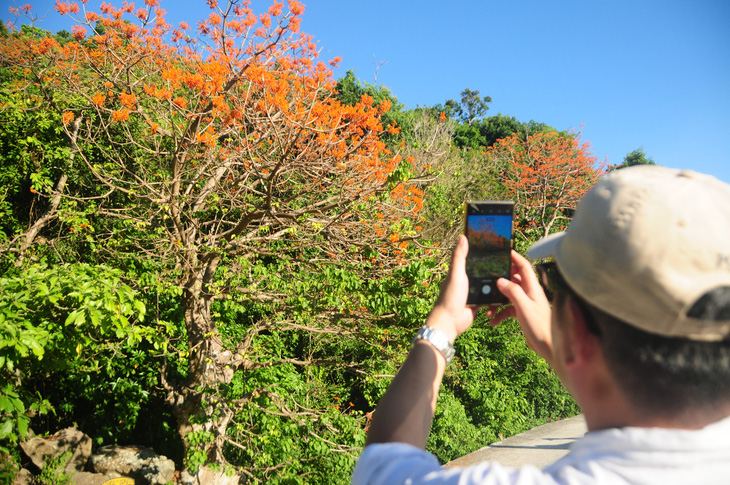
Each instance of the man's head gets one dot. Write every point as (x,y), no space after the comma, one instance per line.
(647,259)
(650,246)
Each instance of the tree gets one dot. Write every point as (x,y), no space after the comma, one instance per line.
(637,157)
(396,120)
(471,107)
(546,174)
(221,172)
(487,131)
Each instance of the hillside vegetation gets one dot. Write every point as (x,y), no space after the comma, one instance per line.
(210,246)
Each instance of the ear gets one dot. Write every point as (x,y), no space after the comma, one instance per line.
(580,346)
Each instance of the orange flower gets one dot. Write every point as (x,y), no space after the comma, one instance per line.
(393,130)
(295,7)
(128,100)
(180,102)
(79,32)
(65,7)
(121,115)
(276,8)
(98,99)
(67,117)
(442,116)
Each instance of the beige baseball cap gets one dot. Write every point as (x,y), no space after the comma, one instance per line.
(645,244)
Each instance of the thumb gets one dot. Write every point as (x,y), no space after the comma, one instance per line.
(514,292)
(458,257)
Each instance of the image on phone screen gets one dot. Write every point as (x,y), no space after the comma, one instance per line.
(489,230)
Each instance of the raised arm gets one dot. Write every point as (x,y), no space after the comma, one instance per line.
(405,412)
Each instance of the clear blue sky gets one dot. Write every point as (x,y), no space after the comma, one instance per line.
(652,74)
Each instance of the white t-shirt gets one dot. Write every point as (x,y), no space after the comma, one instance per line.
(636,456)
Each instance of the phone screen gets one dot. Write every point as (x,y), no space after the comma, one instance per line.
(489,230)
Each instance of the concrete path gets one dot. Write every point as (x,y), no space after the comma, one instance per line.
(539,446)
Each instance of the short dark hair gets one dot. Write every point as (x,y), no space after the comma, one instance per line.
(659,374)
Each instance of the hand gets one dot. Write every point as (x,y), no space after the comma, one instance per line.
(529,305)
(450,314)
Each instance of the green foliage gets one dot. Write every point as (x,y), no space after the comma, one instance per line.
(9,467)
(53,472)
(495,387)
(59,312)
(350,91)
(287,447)
(62,330)
(465,175)
(471,107)
(487,131)
(453,433)
(637,157)
(32,151)
(13,417)
(324,324)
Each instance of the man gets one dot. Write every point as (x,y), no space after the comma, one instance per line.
(638,332)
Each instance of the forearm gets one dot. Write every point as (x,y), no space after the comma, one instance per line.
(405,412)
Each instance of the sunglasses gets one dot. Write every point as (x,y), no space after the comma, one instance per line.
(552,281)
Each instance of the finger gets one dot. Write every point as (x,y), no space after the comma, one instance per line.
(456,281)
(514,292)
(458,257)
(502,315)
(524,276)
(491,310)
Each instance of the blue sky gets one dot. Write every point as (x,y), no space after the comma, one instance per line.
(499,225)
(629,74)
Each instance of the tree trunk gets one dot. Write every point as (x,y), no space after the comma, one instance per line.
(209,365)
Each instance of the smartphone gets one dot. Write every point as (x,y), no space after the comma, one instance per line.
(488,227)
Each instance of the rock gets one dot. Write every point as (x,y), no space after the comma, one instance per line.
(23,477)
(40,449)
(86,478)
(130,461)
(206,476)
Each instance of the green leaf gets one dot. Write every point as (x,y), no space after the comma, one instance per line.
(23,422)
(6,428)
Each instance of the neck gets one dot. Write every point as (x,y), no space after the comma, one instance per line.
(617,412)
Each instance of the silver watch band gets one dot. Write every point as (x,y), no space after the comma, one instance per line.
(438,339)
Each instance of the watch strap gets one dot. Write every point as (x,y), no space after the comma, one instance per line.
(438,339)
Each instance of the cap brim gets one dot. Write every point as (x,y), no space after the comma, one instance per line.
(546,247)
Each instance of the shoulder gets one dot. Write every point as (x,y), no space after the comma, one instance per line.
(398,463)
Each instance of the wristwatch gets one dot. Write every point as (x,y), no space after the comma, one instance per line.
(436,338)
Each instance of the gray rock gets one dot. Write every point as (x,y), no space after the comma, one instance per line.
(130,461)
(23,477)
(206,476)
(40,449)
(86,478)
